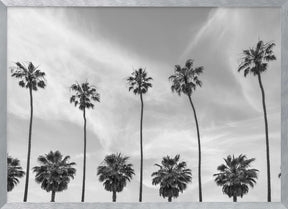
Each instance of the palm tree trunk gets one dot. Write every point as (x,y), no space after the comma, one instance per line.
(199,149)
(84,160)
(141,150)
(234,198)
(169,199)
(29,146)
(53,196)
(114,196)
(267,140)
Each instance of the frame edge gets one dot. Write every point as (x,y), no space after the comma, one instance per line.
(141,3)
(3,79)
(284,104)
(3,105)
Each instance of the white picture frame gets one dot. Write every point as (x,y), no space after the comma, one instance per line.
(281,4)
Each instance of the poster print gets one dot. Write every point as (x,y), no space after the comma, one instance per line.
(143,104)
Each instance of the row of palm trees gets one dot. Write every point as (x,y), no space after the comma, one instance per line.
(185,80)
(55,173)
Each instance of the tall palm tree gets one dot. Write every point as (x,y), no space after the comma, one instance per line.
(115,172)
(139,82)
(54,172)
(31,78)
(84,96)
(255,61)
(14,172)
(173,177)
(185,80)
(235,176)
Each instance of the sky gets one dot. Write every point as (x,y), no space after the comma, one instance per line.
(103,46)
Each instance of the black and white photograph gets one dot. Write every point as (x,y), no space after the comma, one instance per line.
(143,104)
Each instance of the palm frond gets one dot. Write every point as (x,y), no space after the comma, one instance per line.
(115,172)
(255,60)
(28,75)
(235,177)
(14,172)
(54,172)
(172,176)
(186,79)
(139,82)
(84,95)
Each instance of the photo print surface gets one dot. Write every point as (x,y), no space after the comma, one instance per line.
(144,105)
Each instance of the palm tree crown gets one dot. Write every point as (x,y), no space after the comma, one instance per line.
(185,80)
(255,60)
(235,176)
(54,172)
(115,172)
(14,172)
(173,177)
(139,82)
(84,95)
(29,76)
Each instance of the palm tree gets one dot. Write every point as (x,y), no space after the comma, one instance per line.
(30,78)
(139,82)
(115,172)
(173,177)
(14,172)
(255,61)
(235,176)
(185,81)
(85,95)
(54,172)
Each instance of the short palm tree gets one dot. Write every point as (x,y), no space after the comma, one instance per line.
(185,80)
(31,78)
(115,172)
(255,62)
(14,172)
(139,83)
(235,176)
(84,96)
(173,177)
(54,172)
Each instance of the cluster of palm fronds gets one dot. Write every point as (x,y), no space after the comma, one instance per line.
(55,172)
(185,80)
